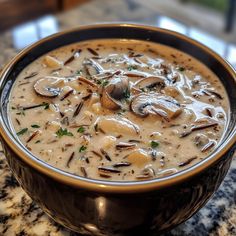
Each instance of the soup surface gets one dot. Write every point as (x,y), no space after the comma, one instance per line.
(118,109)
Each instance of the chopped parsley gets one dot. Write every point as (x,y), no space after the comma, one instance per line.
(78,72)
(121,112)
(63,132)
(38,141)
(21,132)
(181,68)
(154,144)
(82,148)
(132,67)
(46,105)
(103,82)
(35,126)
(127,94)
(81,129)
(21,112)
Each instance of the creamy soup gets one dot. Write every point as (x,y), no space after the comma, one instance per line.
(118,109)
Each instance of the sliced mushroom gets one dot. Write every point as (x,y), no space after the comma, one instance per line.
(120,86)
(48,87)
(151,82)
(107,101)
(114,92)
(117,125)
(152,103)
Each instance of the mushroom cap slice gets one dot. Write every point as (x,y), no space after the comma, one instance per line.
(108,102)
(118,87)
(114,92)
(151,82)
(48,87)
(153,103)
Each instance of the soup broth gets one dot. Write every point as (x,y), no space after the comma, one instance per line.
(121,110)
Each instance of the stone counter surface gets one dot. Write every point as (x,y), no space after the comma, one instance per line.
(22,217)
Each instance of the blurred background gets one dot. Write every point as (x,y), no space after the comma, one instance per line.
(213,22)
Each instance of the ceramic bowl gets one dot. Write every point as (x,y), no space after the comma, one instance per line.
(95,207)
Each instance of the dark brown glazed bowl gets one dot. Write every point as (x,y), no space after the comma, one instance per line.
(96,207)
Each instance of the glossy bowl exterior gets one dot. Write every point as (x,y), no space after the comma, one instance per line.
(111,208)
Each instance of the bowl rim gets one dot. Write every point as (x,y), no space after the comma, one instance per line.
(114,186)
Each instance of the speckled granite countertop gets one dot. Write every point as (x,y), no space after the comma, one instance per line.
(20,216)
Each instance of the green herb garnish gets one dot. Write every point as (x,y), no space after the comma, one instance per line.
(61,132)
(35,126)
(154,144)
(22,131)
(21,112)
(132,67)
(127,94)
(46,105)
(103,82)
(181,68)
(78,72)
(121,112)
(82,148)
(81,129)
(38,141)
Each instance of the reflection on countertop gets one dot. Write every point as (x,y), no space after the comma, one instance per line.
(18,214)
